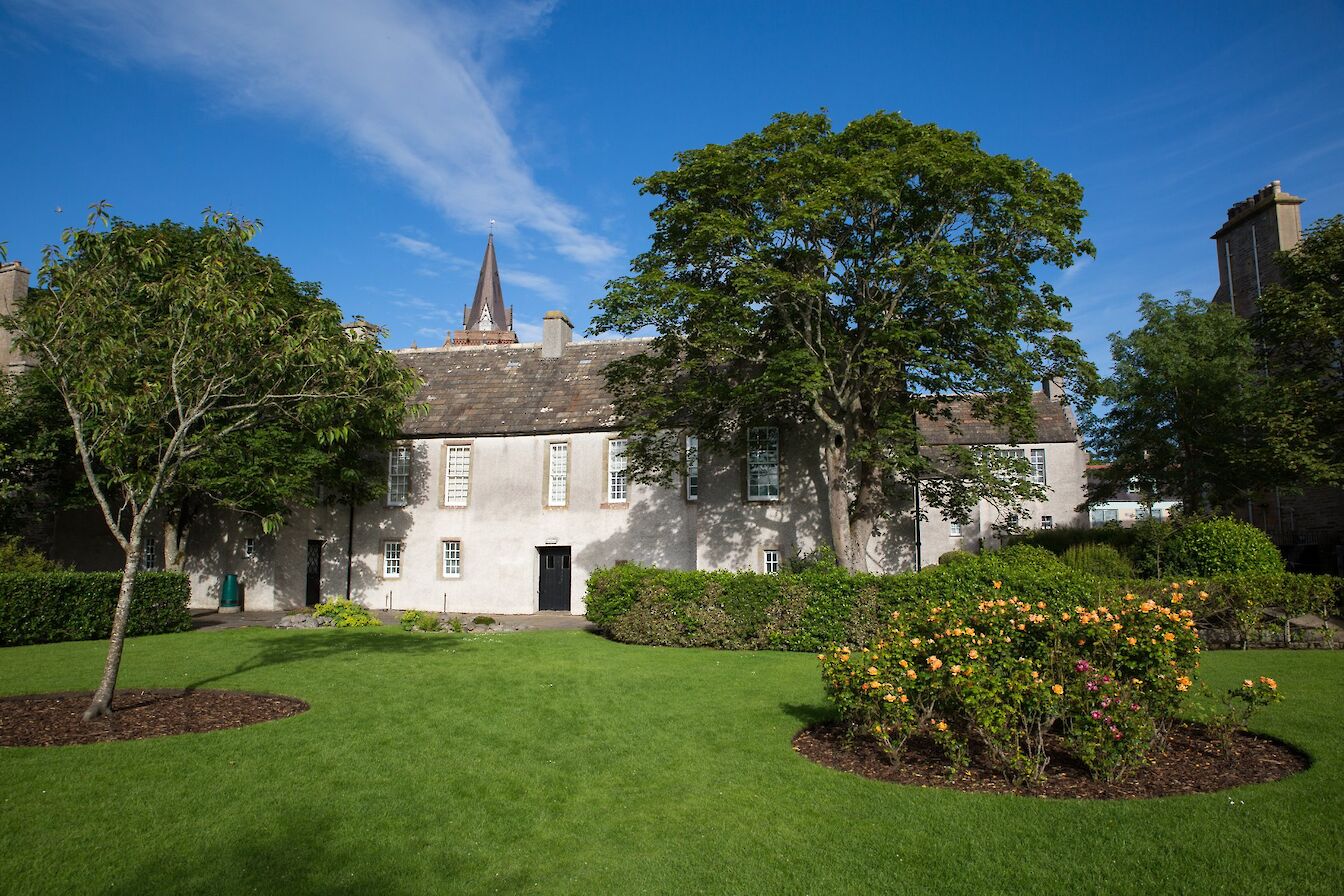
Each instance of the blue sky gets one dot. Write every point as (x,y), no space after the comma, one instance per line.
(377,139)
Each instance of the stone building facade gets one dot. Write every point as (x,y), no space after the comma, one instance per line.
(512,488)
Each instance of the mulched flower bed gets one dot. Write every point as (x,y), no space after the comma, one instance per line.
(54,720)
(1193,763)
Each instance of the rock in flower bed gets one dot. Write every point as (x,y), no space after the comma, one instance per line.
(1012,685)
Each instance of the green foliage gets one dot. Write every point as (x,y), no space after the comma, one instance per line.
(15,557)
(1003,672)
(483,620)
(1300,325)
(1101,560)
(1061,538)
(1220,546)
(37,473)
(455,624)
(420,621)
(809,609)
(1236,706)
(1183,388)
(41,607)
(345,613)
(850,281)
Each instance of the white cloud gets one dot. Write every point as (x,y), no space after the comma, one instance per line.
(405,82)
(527,332)
(537,283)
(419,248)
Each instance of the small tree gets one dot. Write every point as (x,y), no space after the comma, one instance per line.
(1181,404)
(165,342)
(852,282)
(1300,326)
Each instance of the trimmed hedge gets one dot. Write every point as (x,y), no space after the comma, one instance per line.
(824,605)
(40,608)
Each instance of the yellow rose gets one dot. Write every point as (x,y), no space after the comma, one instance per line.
(1057,688)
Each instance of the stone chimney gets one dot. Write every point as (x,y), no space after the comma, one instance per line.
(13,290)
(1257,227)
(1052,388)
(556,333)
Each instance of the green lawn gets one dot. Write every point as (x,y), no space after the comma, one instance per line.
(560,762)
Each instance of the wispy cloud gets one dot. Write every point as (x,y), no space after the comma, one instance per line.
(407,83)
(416,247)
(537,283)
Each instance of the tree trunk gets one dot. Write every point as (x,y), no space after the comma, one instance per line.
(174,545)
(102,698)
(837,500)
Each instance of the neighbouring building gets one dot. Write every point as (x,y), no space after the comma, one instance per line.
(513,488)
(1309,526)
(1127,505)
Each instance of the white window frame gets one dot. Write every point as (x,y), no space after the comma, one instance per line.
(692,468)
(456,475)
(954,530)
(557,474)
(771,561)
(1098,516)
(762,458)
(1047,521)
(450,558)
(1038,467)
(618,477)
(399,476)
(149,553)
(393,554)
(249,548)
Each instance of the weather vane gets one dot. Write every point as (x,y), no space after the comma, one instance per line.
(492,226)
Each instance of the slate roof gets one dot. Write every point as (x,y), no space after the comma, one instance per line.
(511,390)
(1053,424)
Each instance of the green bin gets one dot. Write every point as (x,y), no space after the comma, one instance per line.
(228,595)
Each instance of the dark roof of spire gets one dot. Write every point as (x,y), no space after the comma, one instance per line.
(488,294)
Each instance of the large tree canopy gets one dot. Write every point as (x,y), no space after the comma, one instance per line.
(1300,326)
(1181,407)
(853,281)
(171,348)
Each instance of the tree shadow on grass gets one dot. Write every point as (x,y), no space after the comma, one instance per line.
(810,713)
(298,847)
(318,645)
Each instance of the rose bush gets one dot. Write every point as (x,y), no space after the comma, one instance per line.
(1010,679)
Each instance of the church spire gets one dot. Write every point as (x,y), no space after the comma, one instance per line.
(487,322)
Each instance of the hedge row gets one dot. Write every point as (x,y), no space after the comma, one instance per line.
(825,605)
(40,608)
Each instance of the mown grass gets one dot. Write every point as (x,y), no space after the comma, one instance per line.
(558,762)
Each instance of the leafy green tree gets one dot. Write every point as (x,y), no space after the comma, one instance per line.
(849,282)
(1300,327)
(1180,407)
(165,342)
(38,475)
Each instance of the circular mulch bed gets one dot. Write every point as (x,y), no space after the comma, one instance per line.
(1192,763)
(54,720)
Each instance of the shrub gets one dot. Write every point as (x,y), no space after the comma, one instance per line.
(40,608)
(345,613)
(455,624)
(16,557)
(1222,546)
(483,620)
(1237,705)
(420,621)
(1100,560)
(1002,673)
